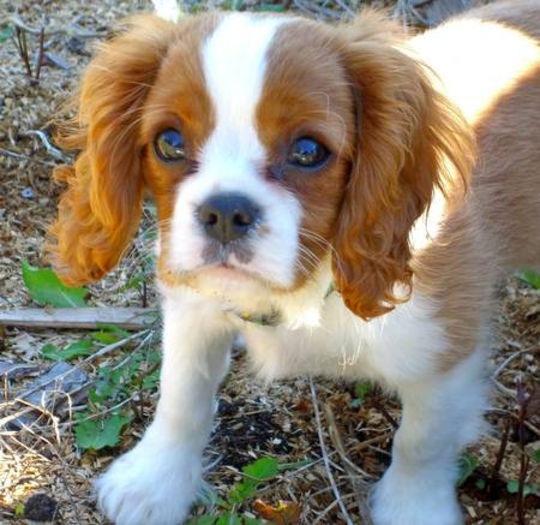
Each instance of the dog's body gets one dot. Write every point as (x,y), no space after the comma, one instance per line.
(430,349)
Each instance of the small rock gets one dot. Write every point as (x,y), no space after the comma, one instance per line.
(61,377)
(12,370)
(40,507)
(43,391)
(76,45)
(27,193)
(52,59)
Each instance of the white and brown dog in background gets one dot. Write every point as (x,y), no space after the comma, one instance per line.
(321,179)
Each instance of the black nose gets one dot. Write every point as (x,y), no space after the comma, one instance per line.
(228,216)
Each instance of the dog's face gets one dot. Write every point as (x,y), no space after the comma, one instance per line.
(255,171)
(269,145)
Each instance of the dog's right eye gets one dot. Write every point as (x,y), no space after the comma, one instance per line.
(169,145)
(306,152)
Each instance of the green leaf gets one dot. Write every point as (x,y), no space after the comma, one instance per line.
(133,283)
(242,491)
(50,351)
(467,464)
(105,387)
(536,456)
(275,8)
(100,434)
(83,347)
(228,518)
(151,381)
(256,472)
(220,502)
(112,328)
(96,396)
(120,376)
(45,288)
(262,469)
(19,509)
(153,357)
(531,278)
(109,334)
(513,488)
(362,389)
(6,33)
(481,484)
(105,372)
(105,337)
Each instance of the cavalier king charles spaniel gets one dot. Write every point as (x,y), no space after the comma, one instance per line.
(343,197)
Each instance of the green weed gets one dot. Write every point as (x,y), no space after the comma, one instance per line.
(46,289)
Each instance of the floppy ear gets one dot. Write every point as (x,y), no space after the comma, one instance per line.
(100,210)
(410,141)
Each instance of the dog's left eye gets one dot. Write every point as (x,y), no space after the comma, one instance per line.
(307,153)
(169,145)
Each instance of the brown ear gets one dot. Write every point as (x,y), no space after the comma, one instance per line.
(410,141)
(100,210)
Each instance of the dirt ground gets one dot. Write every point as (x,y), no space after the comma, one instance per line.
(254,420)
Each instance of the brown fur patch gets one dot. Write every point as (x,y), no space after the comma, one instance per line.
(411,141)
(126,84)
(495,229)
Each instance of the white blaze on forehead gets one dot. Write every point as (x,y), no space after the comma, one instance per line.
(234,63)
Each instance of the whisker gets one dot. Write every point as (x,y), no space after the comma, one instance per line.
(323,242)
(310,256)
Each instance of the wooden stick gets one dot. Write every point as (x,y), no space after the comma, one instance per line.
(335,489)
(127,318)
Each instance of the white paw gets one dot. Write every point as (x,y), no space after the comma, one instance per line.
(153,484)
(397,500)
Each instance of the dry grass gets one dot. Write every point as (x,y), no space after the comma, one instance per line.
(253,420)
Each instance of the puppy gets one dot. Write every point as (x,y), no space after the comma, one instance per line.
(316,193)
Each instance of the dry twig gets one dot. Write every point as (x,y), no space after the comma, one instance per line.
(324,453)
(356,475)
(72,29)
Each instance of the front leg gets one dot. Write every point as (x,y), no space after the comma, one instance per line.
(440,416)
(157,481)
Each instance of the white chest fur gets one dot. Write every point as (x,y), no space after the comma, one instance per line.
(398,347)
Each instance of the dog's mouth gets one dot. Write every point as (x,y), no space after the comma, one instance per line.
(229,268)
(229,262)
(226,271)
(215,253)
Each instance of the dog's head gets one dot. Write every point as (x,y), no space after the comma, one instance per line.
(269,145)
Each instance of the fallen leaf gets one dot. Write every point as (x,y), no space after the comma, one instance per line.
(285,513)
